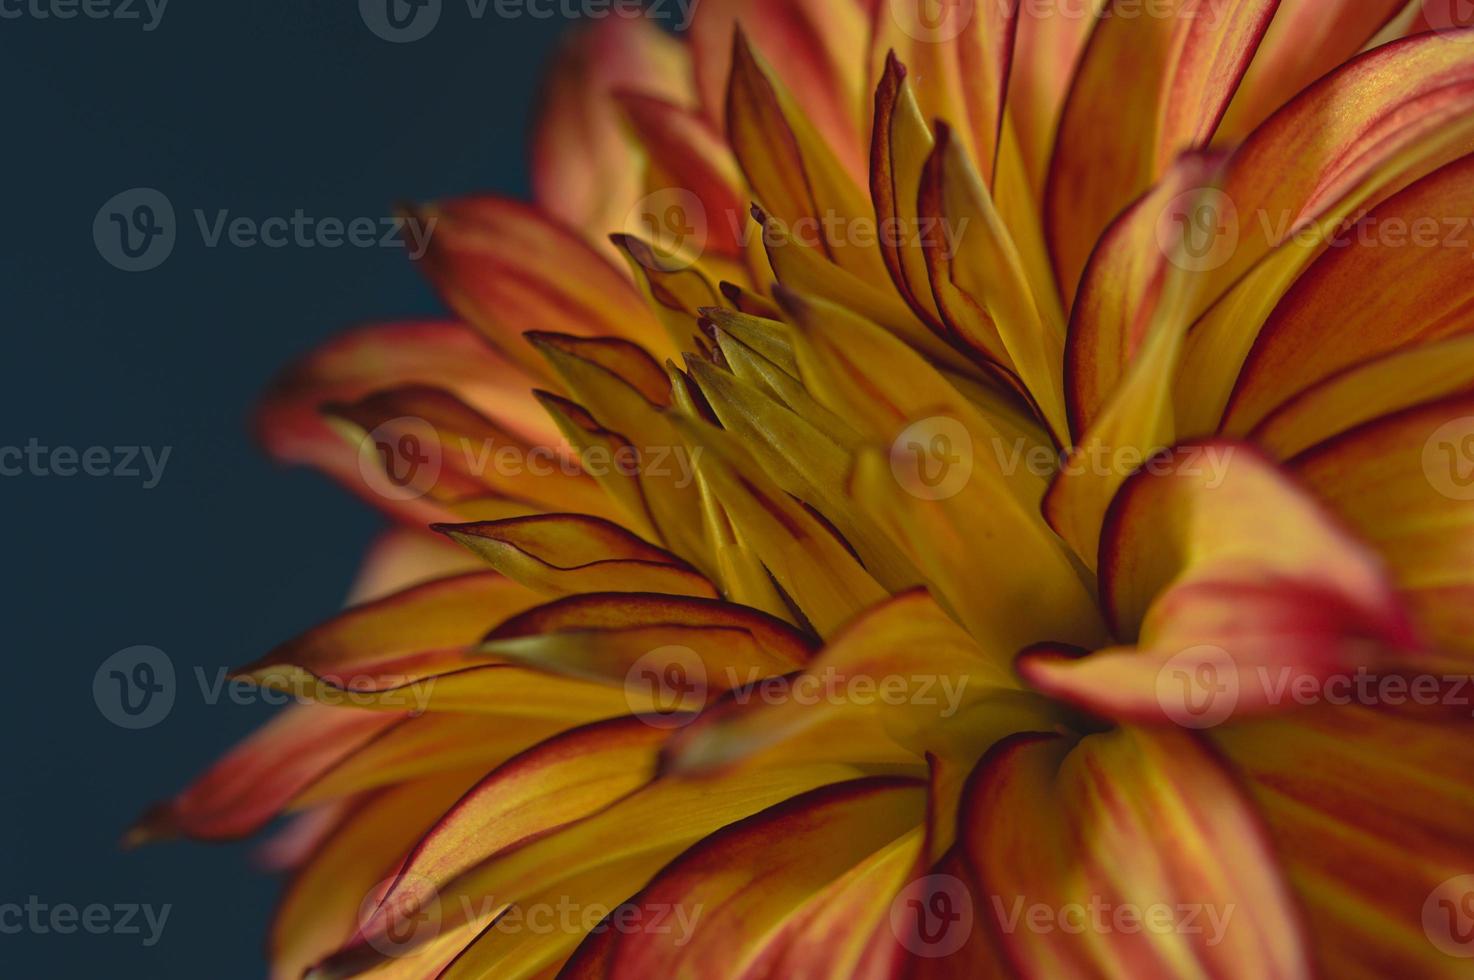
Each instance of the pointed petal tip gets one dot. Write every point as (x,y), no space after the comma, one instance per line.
(155,826)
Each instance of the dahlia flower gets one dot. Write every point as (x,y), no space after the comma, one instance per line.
(963,489)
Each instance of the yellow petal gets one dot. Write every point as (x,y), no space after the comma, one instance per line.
(565,554)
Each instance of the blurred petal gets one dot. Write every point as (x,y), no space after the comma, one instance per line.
(407,635)
(1405,483)
(321,906)
(289,424)
(424,443)
(507,269)
(253,782)
(819,47)
(1372,814)
(585,168)
(401,558)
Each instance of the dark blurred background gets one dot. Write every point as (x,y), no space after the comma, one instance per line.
(261,109)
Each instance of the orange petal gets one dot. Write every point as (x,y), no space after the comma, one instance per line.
(320,908)
(1403,253)
(1231,581)
(1405,483)
(547,787)
(427,744)
(677,284)
(402,637)
(976,264)
(618,611)
(590,439)
(311,755)
(1120,296)
(749,877)
(805,555)
(1358,135)
(1051,38)
(290,426)
(899,149)
(1307,39)
(930,666)
(507,268)
(424,443)
(601,857)
(629,362)
(818,47)
(793,170)
(1148,87)
(1139,841)
(964,55)
(692,156)
(401,558)
(618,393)
(1382,386)
(585,168)
(667,653)
(1371,814)
(801,459)
(253,782)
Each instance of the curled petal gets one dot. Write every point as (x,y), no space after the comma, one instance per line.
(1231,581)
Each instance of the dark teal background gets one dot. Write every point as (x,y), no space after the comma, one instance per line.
(259,107)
